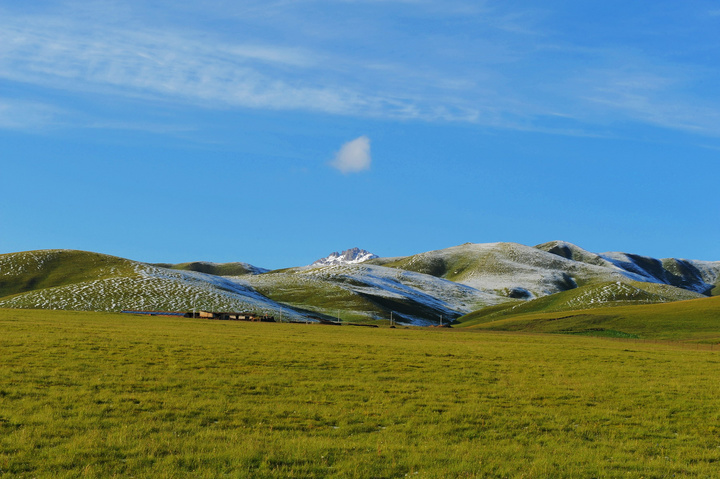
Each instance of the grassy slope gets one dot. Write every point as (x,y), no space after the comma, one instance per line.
(675,272)
(697,319)
(452,263)
(573,252)
(363,292)
(77,280)
(312,294)
(484,265)
(82,280)
(32,270)
(548,268)
(590,296)
(218,269)
(86,281)
(461,262)
(156,397)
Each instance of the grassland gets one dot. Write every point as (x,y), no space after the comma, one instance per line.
(694,320)
(102,395)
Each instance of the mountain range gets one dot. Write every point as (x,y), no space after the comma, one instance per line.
(422,289)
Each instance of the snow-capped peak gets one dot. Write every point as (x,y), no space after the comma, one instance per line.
(349,256)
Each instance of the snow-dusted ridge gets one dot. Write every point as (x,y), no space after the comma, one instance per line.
(418,289)
(513,269)
(130,285)
(698,276)
(414,298)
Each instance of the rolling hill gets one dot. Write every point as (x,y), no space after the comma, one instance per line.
(699,276)
(217,269)
(84,281)
(494,280)
(524,272)
(600,295)
(697,319)
(365,291)
(76,280)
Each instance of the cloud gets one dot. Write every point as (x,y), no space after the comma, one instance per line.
(159,61)
(354,156)
(482,69)
(21,114)
(652,94)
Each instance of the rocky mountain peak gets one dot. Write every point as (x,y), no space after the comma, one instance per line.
(349,256)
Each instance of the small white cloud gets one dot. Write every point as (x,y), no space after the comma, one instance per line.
(354,156)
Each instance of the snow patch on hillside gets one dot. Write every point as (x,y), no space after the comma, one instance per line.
(15,264)
(698,276)
(435,296)
(502,268)
(615,293)
(151,288)
(511,268)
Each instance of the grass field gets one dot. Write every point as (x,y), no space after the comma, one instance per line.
(102,395)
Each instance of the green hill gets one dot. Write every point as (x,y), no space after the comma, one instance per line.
(217,269)
(317,295)
(585,297)
(509,269)
(570,251)
(696,319)
(75,280)
(517,271)
(496,280)
(82,281)
(370,292)
(33,270)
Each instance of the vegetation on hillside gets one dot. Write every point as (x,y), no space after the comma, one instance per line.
(498,279)
(697,319)
(371,292)
(33,270)
(217,269)
(585,297)
(77,280)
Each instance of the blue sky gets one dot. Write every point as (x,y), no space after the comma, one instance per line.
(277,132)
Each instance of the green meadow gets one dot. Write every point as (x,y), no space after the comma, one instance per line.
(112,395)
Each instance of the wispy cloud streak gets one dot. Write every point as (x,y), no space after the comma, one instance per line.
(157,63)
(502,69)
(21,114)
